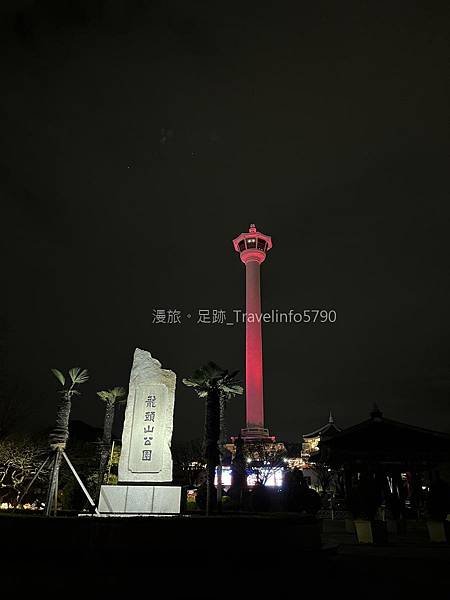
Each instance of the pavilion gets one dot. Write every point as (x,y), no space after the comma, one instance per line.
(402,459)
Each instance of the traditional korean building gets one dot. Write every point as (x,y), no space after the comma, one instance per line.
(400,458)
(311,440)
(310,450)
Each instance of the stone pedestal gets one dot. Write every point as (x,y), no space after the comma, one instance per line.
(123,500)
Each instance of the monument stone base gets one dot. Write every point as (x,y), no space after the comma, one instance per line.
(139,500)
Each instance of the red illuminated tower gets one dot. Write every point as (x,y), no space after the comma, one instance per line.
(252,247)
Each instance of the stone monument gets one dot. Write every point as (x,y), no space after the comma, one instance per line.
(145,466)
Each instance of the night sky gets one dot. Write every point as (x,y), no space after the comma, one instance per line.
(138,138)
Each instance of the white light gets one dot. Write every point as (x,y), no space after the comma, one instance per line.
(226,476)
(274,479)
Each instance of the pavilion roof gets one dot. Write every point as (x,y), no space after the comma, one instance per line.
(326,430)
(378,438)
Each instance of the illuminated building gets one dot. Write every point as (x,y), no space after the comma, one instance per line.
(310,449)
(311,440)
(253,247)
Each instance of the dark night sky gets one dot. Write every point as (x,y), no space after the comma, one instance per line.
(139,138)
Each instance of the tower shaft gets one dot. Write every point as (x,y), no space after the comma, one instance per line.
(253,348)
(253,247)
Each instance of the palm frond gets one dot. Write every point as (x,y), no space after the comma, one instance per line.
(73,372)
(201,389)
(59,376)
(74,393)
(104,395)
(119,393)
(198,377)
(233,389)
(213,371)
(78,376)
(190,382)
(212,376)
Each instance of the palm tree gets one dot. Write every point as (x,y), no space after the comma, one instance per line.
(111,398)
(216,385)
(60,434)
(228,383)
(238,488)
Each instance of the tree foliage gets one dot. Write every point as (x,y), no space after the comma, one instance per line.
(20,459)
(111,398)
(60,434)
(214,384)
(264,459)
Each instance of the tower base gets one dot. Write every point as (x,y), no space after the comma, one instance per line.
(256,433)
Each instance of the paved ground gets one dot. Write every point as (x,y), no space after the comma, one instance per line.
(222,562)
(408,563)
(414,542)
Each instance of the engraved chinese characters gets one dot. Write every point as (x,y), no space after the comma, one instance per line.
(147,432)
(147,437)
